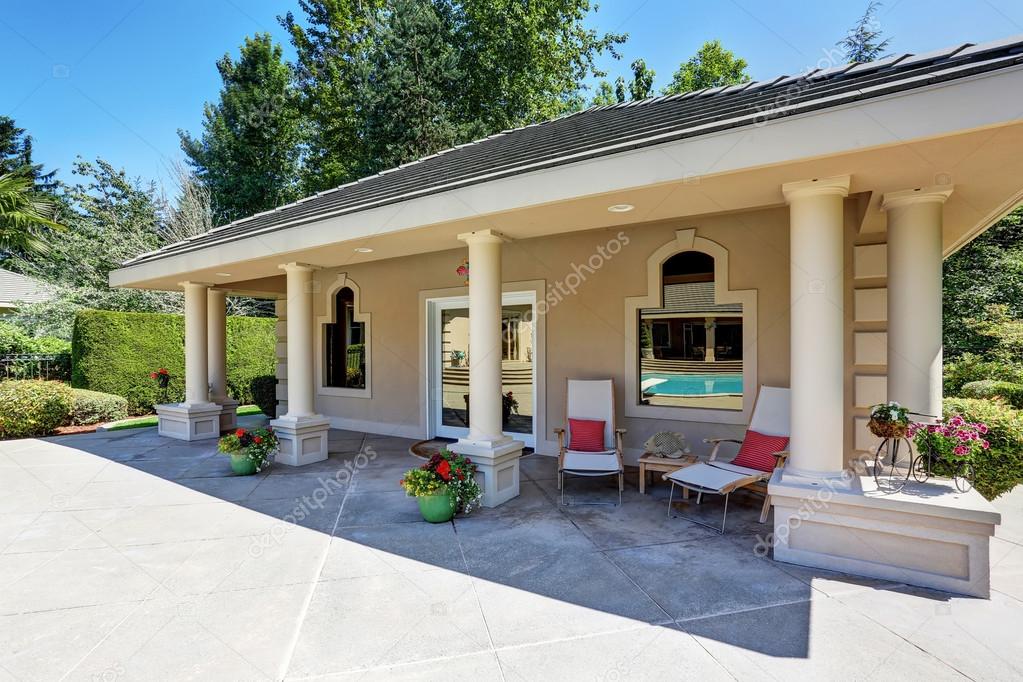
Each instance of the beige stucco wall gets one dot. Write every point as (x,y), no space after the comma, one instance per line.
(584,330)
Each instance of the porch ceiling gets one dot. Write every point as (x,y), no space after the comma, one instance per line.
(968,133)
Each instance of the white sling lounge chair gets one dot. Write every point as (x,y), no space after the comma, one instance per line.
(591,400)
(770,418)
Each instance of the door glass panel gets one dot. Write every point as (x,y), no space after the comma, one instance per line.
(516,367)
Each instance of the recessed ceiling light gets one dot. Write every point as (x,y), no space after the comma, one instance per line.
(621,208)
(222,274)
(363,249)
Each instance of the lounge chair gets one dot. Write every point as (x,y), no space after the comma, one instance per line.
(588,401)
(764,445)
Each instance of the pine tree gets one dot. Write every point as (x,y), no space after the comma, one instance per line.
(248,154)
(16,156)
(863,42)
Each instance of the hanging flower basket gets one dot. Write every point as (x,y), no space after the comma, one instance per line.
(883,429)
(889,420)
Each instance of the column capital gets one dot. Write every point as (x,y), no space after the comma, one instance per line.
(487,236)
(834,186)
(202,285)
(921,195)
(298,267)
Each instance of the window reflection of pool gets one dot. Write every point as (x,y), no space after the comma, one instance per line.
(664,383)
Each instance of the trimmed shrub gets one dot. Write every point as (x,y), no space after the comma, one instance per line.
(1000,468)
(93,407)
(14,341)
(264,394)
(33,408)
(990,388)
(115,352)
(969,368)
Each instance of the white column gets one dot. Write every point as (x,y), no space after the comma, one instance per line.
(196,348)
(216,330)
(302,433)
(710,328)
(300,340)
(817,360)
(197,418)
(496,455)
(914,297)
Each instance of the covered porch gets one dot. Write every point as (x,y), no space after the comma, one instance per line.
(171,567)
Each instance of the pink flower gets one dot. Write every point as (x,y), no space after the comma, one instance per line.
(984,444)
(957,421)
(961,450)
(982,428)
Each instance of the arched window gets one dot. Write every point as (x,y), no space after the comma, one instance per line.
(691,350)
(344,345)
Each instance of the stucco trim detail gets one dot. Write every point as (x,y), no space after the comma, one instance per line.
(359,315)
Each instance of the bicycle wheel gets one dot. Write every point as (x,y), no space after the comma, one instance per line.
(964,476)
(921,468)
(893,473)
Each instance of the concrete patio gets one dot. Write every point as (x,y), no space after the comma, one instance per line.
(130,556)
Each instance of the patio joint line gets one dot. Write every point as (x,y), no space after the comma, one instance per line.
(307,602)
(476,596)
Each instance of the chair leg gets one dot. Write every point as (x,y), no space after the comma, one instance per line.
(671,494)
(766,509)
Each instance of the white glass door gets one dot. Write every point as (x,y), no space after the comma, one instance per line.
(448,353)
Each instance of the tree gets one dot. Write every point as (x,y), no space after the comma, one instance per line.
(863,42)
(16,156)
(24,215)
(248,154)
(413,67)
(604,96)
(712,66)
(642,84)
(621,92)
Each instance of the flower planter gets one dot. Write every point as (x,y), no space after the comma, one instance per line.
(241,464)
(436,508)
(887,429)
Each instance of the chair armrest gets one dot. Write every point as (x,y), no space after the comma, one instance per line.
(559,431)
(716,442)
(620,431)
(781,457)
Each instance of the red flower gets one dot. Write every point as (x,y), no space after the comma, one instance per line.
(153,375)
(163,370)
(257,439)
(239,433)
(444,470)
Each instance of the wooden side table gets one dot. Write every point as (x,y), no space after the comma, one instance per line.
(665,465)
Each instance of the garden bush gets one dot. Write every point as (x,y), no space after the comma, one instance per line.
(1000,468)
(115,352)
(14,341)
(264,394)
(968,368)
(1011,392)
(33,408)
(93,407)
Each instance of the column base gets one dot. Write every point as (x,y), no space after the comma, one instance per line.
(228,414)
(817,480)
(185,421)
(303,440)
(497,463)
(928,534)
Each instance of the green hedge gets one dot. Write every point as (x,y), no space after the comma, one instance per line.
(264,394)
(115,352)
(969,368)
(93,407)
(1000,468)
(991,388)
(33,408)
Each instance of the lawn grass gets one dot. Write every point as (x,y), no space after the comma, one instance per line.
(150,420)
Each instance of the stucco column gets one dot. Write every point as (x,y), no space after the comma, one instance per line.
(710,327)
(196,348)
(914,297)
(216,336)
(496,455)
(484,336)
(300,339)
(817,360)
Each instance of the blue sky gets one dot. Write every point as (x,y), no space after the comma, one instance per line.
(118,79)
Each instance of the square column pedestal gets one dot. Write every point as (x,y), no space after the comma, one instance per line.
(228,414)
(186,421)
(927,534)
(497,464)
(303,440)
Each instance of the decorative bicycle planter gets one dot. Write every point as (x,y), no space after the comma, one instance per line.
(893,459)
(947,445)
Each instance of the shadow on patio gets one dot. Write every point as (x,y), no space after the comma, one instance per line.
(337,572)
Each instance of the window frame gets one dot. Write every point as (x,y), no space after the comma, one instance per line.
(358,315)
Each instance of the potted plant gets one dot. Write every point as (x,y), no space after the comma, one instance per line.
(444,485)
(950,447)
(508,405)
(162,379)
(889,420)
(250,451)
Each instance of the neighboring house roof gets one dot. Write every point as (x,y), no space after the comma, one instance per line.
(692,297)
(15,288)
(606,130)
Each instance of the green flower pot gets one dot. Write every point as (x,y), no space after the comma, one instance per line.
(242,465)
(436,508)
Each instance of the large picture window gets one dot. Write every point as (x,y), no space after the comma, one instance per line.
(691,347)
(345,345)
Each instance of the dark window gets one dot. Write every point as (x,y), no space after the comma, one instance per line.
(345,345)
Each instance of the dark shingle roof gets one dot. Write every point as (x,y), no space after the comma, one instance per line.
(605,130)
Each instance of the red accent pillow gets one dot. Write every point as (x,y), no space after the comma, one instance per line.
(587,435)
(757,451)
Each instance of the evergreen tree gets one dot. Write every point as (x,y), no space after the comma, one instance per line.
(710,67)
(863,42)
(16,156)
(248,154)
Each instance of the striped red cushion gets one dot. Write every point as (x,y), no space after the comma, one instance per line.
(757,451)
(587,435)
